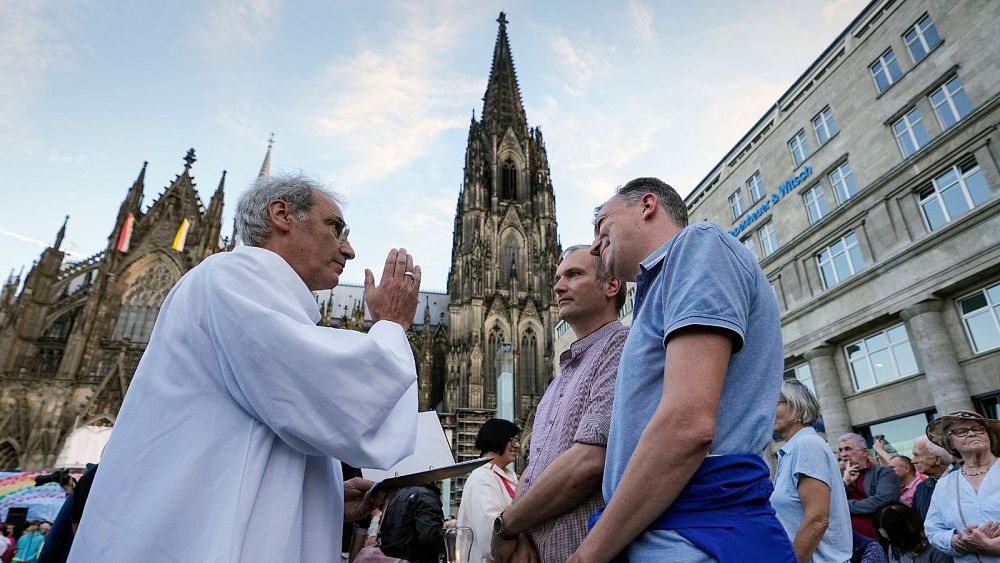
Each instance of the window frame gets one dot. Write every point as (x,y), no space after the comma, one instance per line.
(801,142)
(890,345)
(937,192)
(949,102)
(885,64)
(772,239)
(843,181)
(737,197)
(819,201)
(992,309)
(855,269)
(755,181)
(910,132)
(825,121)
(921,36)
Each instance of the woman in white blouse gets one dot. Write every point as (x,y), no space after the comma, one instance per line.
(490,488)
(964,517)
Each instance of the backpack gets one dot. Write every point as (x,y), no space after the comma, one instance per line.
(411,524)
(396,532)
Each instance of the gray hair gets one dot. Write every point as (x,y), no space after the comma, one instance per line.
(802,404)
(253,224)
(667,197)
(857,439)
(602,273)
(934,449)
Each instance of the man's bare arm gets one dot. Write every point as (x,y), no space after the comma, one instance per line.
(571,478)
(674,443)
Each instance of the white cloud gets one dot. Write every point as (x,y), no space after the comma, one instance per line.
(581,64)
(641,17)
(35,38)
(387,105)
(231,24)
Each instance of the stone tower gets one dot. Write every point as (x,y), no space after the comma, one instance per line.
(504,252)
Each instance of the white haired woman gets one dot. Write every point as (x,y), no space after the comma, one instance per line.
(964,517)
(808,496)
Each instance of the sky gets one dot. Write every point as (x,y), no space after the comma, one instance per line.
(373,99)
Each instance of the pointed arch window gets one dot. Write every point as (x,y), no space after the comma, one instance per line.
(529,362)
(492,359)
(508,180)
(141,304)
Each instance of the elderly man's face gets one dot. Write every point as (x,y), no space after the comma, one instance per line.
(922,458)
(320,257)
(849,451)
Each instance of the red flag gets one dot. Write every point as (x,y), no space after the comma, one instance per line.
(126,235)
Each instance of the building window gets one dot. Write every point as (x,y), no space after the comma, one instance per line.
(910,133)
(768,239)
(885,70)
(755,187)
(981,315)
(736,203)
(842,180)
(950,195)
(799,147)
(950,103)
(815,204)
(825,125)
(881,357)
(747,241)
(921,38)
(803,374)
(840,260)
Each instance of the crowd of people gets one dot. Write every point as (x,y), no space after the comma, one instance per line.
(646,447)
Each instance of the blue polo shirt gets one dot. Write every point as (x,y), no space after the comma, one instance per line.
(705,277)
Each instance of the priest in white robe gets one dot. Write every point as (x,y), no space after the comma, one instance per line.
(229,442)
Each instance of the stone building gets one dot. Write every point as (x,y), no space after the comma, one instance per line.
(870,193)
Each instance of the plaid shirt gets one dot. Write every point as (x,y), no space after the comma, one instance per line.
(576,408)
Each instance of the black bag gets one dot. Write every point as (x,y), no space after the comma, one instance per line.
(411,524)
(396,531)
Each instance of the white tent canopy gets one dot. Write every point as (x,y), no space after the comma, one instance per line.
(84,445)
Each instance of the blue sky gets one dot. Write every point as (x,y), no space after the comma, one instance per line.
(375,99)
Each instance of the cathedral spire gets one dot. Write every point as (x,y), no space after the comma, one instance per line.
(265,168)
(502,105)
(61,234)
(189,160)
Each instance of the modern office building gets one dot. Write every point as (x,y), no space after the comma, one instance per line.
(870,193)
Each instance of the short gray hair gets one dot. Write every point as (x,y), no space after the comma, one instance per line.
(934,449)
(858,439)
(253,224)
(666,196)
(802,404)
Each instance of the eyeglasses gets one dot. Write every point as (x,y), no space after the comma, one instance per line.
(340,230)
(963,432)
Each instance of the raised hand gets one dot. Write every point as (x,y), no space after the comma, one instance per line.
(357,501)
(395,298)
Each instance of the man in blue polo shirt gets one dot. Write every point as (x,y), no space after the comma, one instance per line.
(697,384)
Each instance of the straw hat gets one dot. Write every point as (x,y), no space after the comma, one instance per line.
(937,429)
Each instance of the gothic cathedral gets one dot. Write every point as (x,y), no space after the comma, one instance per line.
(504,253)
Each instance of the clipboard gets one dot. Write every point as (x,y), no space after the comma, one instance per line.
(431,475)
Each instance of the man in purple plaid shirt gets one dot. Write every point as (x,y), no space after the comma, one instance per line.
(561,487)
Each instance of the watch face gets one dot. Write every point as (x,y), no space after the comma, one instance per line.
(498,526)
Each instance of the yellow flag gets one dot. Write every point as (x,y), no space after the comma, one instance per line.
(182,234)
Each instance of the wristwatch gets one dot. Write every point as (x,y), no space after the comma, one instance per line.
(500,531)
